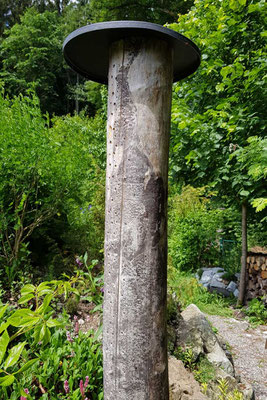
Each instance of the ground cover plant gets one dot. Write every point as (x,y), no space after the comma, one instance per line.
(43,354)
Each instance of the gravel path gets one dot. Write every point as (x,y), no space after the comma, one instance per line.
(248,350)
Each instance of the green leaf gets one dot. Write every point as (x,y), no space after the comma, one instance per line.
(98,332)
(46,302)
(244,193)
(4,340)
(14,354)
(26,366)
(26,298)
(7,380)
(2,310)
(24,317)
(3,326)
(27,289)
(53,322)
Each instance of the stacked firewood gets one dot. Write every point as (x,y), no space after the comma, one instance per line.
(257,273)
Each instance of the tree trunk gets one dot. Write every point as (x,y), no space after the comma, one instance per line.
(134,337)
(242,284)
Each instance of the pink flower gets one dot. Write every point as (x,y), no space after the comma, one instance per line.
(76,328)
(69,338)
(22,397)
(81,388)
(66,386)
(86,381)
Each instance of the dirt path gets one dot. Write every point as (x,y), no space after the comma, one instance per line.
(248,350)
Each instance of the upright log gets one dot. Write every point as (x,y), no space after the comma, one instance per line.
(141,60)
(139,101)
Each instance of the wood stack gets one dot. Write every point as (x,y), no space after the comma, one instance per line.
(257,272)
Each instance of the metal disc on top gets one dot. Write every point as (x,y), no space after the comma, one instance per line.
(86,49)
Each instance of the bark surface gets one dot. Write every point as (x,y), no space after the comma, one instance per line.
(134,337)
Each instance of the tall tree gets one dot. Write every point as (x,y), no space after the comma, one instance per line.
(31,55)
(217,110)
(157,11)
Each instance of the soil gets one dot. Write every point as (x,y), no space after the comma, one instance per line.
(247,346)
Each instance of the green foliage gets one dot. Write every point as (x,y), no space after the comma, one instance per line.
(193,238)
(187,291)
(186,356)
(30,363)
(217,109)
(156,11)
(202,368)
(253,158)
(38,320)
(70,361)
(256,312)
(51,186)
(32,57)
(226,394)
(93,280)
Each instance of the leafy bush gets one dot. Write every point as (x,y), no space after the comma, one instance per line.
(256,312)
(187,290)
(54,371)
(193,240)
(51,188)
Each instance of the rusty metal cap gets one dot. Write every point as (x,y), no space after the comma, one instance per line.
(86,49)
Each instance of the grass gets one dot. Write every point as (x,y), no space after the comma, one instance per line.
(188,290)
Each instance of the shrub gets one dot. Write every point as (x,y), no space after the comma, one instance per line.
(193,240)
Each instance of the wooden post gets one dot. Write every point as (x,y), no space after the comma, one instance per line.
(134,337)
(242,283)
(139,61)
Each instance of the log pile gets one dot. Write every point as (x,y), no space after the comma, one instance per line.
(257,273)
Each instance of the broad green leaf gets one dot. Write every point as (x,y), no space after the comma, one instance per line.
(7,380)
(53,322)
(47,336)
(25,298)
(26,366)
(2,310)
(4,340)
(14,354)
(45,304)
(27,289)
(3,326)
(244,193)
(24,317)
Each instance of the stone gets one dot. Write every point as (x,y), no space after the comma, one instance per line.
(195,332)
(232,287)
(217,285)
(182,383)
(236,293)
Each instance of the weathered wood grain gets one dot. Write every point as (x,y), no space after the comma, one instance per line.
(134,336)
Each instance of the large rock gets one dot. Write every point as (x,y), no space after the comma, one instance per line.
(195,332)
(182,383)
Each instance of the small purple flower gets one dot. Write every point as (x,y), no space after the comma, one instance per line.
(66,387)
(102,290)
(69,338)
(78,261)
(89,207)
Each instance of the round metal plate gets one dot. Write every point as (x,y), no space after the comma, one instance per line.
(86,50)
